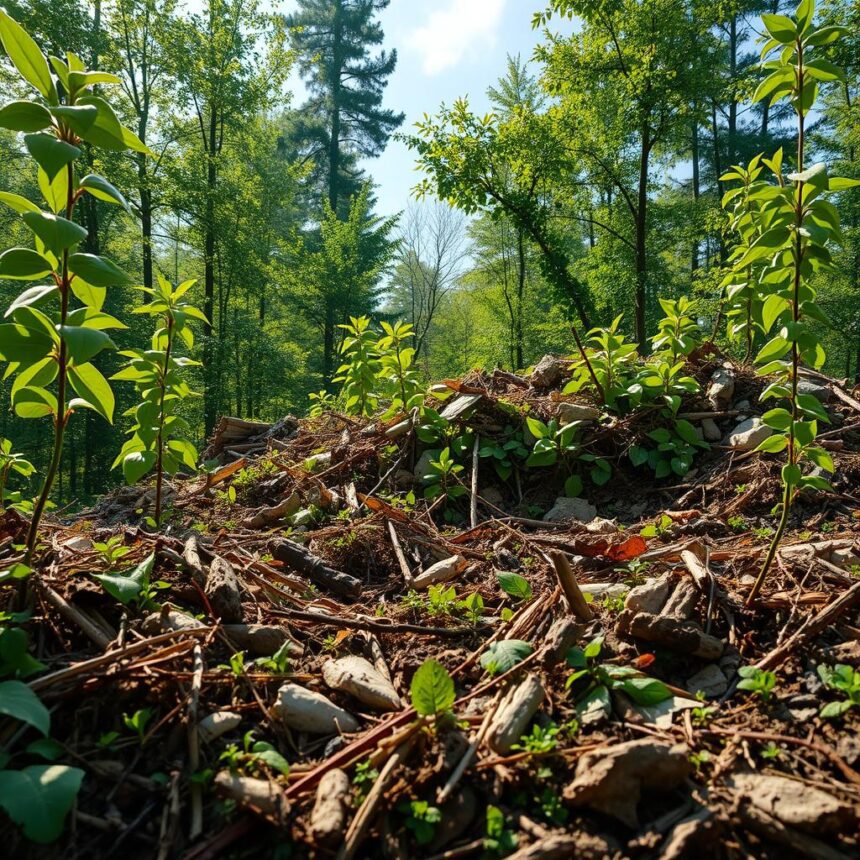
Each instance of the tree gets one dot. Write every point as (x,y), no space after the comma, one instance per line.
(432,248)
(343,119)
(625,88)
(224,80)
(335,274)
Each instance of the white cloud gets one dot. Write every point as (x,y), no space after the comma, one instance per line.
(462,27)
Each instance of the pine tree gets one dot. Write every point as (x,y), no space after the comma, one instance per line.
(343,119)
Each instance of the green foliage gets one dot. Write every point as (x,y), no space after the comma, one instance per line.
(361,367)
(133,586)
(138,721)
(758,682)
(561,444)
(112,550)
(592,681)
(659,528)
(514,585)
(253,754)
(442,480)
(39,797)
(500,839)
(50,343)
(674,452)
(541,741)
(432,690)
(397,371)
(677,332)
(795,224)
(421,819)
(363,778)
(503,453)
(841,679)
(502,656)
(158,440)
(10,462)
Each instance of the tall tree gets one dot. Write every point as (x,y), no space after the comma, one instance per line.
(224,80)
(343,119)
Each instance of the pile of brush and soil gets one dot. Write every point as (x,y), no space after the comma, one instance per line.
(245,682)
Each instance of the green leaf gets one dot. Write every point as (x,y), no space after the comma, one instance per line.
(18,203)
(573,486)
(821,458)
(504,655)
(514,585)
(773,444)
(432,689)
(32,401)
(536,427)
(779,419)
(26,56)
(24,264)
(98,271)
(137,464)
(39,797)
(31,296)
(646,691)
(24,116)
(129,586)
(825,36)
(780,28)
(775,348)
(84,343)
(23,344)
(101,189)
(89,384)
(79,118)
(57,233)
(18,701)
(824,70)
(791,474)
(50,154)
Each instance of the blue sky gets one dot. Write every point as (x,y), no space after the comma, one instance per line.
(446,49)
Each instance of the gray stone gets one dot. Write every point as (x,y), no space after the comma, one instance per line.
(567,413)
(822,393)
(493,496)
(711,431)
(422,466)
(721,387)
(571,509)
(711,681)
(749,434)
(650,596)
(548,372)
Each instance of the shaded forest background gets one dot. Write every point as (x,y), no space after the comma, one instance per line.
(591,188)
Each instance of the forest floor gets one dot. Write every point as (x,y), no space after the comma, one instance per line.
(289,598)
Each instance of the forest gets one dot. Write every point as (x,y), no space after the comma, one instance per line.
(519,520)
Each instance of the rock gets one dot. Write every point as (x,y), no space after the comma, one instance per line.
(721,388)
(682,602)
(267,516)
(562,846)
(360,678)
(796,803)
(611,780)
(571,509)
(749,434)
(822,393)
(330,812)
(742,405)
(604,589)
(711,681)
(259,794)
(461,405)
(442,571)
(506,559)
(688,836)
(400,429)
(514,713)
(212,726)
(169,619)
(307,711)
(548,372)
(79,543)
(318,462)
(567,413)
(730,661)
(262,640)
(222,590)
(803,707)
(560,638)
(650,596)
(457,814)
(422,465)
(845,652)
(682,636)
(303,518)
(710,430)
(602,526)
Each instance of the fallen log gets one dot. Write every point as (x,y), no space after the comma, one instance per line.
(314,568)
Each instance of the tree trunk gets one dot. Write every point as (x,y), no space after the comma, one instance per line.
(641,225)
(694,155)
(209,370)
(521,288)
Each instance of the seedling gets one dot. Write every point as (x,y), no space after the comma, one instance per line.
(253,754)
(421,819)
(442,478)
(432,690)
(841,679)
(11,462)
(364,777)
(112,550)
(659,528)
(771,751)
(757,682)
(138,722)
(500,840)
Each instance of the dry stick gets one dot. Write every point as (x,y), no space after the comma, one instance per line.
(600,393)
(445,792)
(811,628)
(368,624)
(401,556)
(110,657)
(196,827)
(575,598)
(473,507)
(71,613)
(358,826)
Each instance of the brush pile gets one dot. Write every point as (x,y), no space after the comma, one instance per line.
(344,645)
